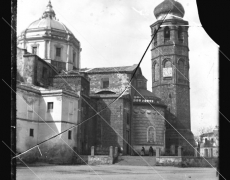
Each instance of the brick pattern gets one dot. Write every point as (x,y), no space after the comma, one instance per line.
(114,117)
(172,91)
(87,129)
(143,117)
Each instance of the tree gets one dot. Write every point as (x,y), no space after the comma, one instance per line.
(203,130)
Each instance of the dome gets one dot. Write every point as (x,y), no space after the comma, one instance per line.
(48,21)
(167,5)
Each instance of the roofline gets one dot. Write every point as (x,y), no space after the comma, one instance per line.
(147,104)
(70,75)
(46,91)
(40,59)
(109,96)
(113,71)
(27,88)
(127,72)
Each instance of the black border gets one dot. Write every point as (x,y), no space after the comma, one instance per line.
(214,18)
(8,97)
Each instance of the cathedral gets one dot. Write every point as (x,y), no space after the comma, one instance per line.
(102,106)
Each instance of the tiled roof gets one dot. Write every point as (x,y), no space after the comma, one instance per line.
(110,69)
(50,88)
(148,96)
(146,93)
(63,86)
(140,76)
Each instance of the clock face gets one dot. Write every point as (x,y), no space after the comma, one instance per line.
(167,72)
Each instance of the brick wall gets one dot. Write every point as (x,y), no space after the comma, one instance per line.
(114,116)
(88,131)
(143,117)
(174,93)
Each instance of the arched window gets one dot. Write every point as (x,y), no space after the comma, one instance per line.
(155,37)
(181,69)
(186,71)
(167,64)
(151,134)
(166,34)
(180,35)
(167,68)
(156,72)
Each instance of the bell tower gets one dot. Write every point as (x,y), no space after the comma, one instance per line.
(170,71)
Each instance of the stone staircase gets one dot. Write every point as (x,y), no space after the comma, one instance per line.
(136,160)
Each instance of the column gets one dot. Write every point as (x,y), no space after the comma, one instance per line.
(111,151)
(67,57)
(46,46)
(49,50)
(116,152)
(92,151)
(196,151)
(158,152)
(179,151)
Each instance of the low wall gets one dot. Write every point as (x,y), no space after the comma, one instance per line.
(169,161)
(101,150)
(82,159)
(100,160)
(186,161)
(198,162)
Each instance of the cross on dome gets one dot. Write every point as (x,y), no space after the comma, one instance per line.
(49,12)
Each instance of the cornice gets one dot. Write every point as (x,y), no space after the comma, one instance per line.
(173,21)
(171,44)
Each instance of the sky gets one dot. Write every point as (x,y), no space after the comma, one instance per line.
(117,32)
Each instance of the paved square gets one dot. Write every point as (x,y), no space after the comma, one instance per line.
(114,172)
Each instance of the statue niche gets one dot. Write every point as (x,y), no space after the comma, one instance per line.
(151,134)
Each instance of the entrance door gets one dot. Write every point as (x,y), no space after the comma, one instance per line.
(127,144)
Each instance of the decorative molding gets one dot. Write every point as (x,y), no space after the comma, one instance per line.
(41,121)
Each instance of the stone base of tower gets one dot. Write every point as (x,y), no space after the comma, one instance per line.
(181,137)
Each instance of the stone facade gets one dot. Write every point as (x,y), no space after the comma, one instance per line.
(33,70)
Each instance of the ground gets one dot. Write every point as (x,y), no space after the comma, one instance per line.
(113,172)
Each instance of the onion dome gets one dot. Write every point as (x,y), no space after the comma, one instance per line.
(170,7)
